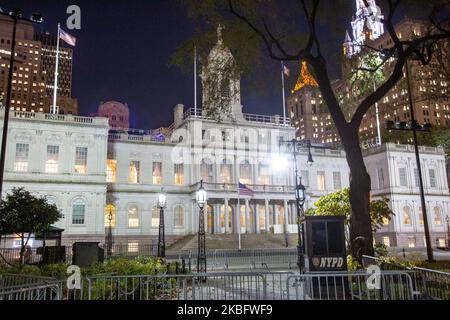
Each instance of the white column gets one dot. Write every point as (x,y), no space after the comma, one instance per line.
(258,227)
(267,215)
(217,218)
(286,215)
(247,217)
(227,214)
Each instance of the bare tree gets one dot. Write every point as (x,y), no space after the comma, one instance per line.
(421,47)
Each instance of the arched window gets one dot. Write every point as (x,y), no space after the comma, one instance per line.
(110,216)
(407,221)
(245,173)
(155,217)
(78,212)
(206,171)
(264,174)
(133,217)
(226,172)
(225,89)
(178,217)
(437,217)
(420,216)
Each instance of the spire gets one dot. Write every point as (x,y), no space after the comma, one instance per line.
(219,34)
(305,78)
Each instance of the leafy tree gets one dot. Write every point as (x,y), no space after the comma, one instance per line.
(306,30)
(23,214)
(338,204)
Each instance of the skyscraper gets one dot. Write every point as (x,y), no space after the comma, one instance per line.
(34,67)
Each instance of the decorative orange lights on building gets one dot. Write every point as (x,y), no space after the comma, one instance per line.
(305,78)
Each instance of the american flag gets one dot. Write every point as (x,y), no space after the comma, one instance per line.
(245,191)
(70,40)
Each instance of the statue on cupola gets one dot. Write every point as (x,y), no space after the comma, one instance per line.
(221,83)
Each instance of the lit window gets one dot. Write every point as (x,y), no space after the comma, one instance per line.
(321,180)
(385,221)
(52,164)
(81,160)
(420,216)
(110,212)
(387,241)
(225,173)
(246,173)
(111,171)
(78,213)
(441,243)
(157,173)
(179,174)
(155,217)
(411,242)
(407,221)
(134,171)
(264,174)
(437,217)
(21,164)
(133,217)
(337,181)
(133,247)
(178,217)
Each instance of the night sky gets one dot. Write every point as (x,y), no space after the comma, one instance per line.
(123,52)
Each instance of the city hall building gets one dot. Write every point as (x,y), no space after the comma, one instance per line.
(91,171)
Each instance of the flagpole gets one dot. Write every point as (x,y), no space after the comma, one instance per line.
(284,94)
(55,86)
(195,80)
(239,217)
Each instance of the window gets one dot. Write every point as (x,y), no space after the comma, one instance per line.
(157,173)
(416,178)
(432,174)
(246,173)
(110,213)
(321,180)
(337,181)
(111,171)
(305,178)
(133,217)
(21,164)
(407,221)
(420,216)
(206,171)
(155,217)
(134,171)
(387,241)
(386,222)
(402,175)
(225,173)
(437,217)
(411,242)
(52,164)
(133,247)
(81,160)
(380,178)
(441,243)
(179,174)
(78,212)
(264,174)
(178,217)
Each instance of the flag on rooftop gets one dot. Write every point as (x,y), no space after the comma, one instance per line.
(67,38)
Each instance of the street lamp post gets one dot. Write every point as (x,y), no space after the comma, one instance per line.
(16,16)
(162,202)
(201,197)
(109,237)
(415,128)
(300,192)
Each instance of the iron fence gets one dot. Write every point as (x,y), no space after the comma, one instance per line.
(247,258)
(431,284)
(392,285)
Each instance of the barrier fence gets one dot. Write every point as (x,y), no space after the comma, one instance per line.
(431,284)
(392,285)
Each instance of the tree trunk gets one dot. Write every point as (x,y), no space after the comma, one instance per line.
(361,237)
(22,250)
